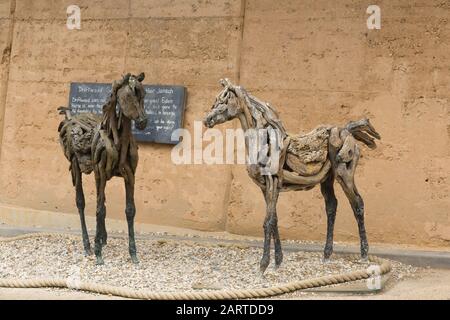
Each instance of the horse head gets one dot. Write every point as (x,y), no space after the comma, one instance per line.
(130,96)
(226,106)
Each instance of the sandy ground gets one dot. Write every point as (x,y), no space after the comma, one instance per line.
(431,284)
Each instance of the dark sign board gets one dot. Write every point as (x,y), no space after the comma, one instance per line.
(163,104)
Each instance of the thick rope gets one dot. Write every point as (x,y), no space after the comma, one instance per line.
(385,267)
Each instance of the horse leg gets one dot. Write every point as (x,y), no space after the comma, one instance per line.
(265,260)
(100,215)
(270,225)
(103,234)
(130,212)
(276,234)
(358,211)
(357,205)
(345,174)
(77,178)
(327,190)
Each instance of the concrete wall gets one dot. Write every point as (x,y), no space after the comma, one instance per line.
(314,60)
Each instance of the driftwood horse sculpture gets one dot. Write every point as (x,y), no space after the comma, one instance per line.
(302,161)
(106,146)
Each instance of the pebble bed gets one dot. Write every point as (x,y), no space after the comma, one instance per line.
(167,265)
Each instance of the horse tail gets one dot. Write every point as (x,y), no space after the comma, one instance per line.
(65,138)
(65,111)
(362,130)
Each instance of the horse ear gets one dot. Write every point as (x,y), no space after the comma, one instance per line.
(126,77)
(141,77)
(226,83)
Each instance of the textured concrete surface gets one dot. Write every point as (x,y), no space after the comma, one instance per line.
(315,61)
(431,284)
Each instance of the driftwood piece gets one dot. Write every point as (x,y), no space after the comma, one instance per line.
(310,147)
(321,157)
(346,152)
(307,153)
(335,139)
(76,135)
(295,178)
(304,169)
(363,131)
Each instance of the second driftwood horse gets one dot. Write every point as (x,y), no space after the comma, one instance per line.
(106,146)
(301,161)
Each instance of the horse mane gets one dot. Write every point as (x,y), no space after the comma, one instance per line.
(109,113)
(259,111)
(111,121)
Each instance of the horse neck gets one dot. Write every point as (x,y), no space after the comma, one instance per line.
(266,118)
(118,128)
(250,122)
(245,117)
(246,120)
(125,126)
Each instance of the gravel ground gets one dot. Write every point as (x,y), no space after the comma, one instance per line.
(167,265)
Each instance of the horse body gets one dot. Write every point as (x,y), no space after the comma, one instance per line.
(106,146)
(326,154)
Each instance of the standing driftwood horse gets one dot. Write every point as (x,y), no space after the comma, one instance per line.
(300,162)
(106,146)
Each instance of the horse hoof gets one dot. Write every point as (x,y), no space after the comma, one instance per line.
(87,252)
(278,261)
(100,261)
(326,260)
(277,264)
(364,260)
(261,275)
(135,260)
(264,264)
